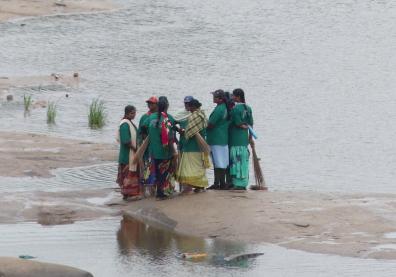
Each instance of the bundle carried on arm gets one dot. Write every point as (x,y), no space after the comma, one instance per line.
(196,123)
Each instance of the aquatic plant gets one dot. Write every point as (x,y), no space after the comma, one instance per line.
(97,115)
(27,102)
(51,112)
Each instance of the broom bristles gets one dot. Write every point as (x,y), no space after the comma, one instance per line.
(202,143)
(258,173)
(140,151)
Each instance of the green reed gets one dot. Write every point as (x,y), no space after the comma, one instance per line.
(97,114)
(51,112)
(27,102)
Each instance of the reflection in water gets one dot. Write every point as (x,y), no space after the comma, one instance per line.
(155,243)
(135,237)
(91,245)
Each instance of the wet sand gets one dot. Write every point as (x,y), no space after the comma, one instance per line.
(348,225)
(24,154)
(11,9)
(56,208)
(65,79)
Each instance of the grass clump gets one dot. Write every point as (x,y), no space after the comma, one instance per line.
(51,113)
(27,102)
(97,115)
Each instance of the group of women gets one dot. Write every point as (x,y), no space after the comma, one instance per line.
(165,149)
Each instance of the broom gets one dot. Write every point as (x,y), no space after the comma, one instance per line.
(258,173)
(202,143)
(140,151)
(205,148)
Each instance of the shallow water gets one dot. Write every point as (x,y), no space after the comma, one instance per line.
(65,179)
(123,246)
(318,74)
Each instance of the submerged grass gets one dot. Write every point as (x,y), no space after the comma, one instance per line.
(51,112)
(97,115)
(27,102)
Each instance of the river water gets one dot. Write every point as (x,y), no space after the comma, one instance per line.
(319,76)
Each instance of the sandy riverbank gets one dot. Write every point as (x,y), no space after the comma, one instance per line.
(63,81)
(36,155)
(11,9)
(357,225)
(348,225)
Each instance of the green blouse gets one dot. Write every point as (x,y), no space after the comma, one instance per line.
(155,147)
(189,145)
(218,118)
(125,140)
(240,114)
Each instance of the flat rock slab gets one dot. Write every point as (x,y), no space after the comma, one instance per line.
(13,267)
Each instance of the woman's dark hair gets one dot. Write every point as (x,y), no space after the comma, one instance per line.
(194,103)
(239,93)
(163,105)
(128,109)
(229,103)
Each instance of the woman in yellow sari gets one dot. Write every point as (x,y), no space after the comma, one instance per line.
(194,160)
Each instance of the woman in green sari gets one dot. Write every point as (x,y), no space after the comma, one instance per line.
(241,119)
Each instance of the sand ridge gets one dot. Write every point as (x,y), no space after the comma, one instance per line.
(25,154)
(11,9)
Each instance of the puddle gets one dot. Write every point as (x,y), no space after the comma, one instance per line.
(100,200)
(126,247)
(363,234)
(385,247)
(391,235)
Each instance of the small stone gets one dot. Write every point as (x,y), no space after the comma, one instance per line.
(60,4)
(303,225)
(55,76)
